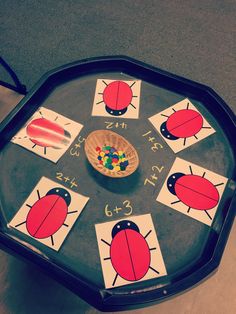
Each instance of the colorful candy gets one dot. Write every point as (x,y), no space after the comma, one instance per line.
(111,158)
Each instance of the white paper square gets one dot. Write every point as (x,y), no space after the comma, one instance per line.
(38,194)
(121,92)
(208,197)
(47,134)
(187,125)
(148,233)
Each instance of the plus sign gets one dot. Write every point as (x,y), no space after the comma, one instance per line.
(151,139)
(66,179)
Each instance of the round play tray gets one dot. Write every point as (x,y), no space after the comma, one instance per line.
(190,242)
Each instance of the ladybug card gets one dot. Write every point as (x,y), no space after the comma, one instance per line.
(181,125)
(193,191)
(129,251)
(47,134)
(118,99)
(49,213)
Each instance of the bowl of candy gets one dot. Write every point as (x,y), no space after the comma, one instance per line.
(111,154)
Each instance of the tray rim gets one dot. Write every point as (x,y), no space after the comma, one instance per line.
(102,298)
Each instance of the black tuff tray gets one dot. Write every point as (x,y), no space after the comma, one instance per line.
(191,249)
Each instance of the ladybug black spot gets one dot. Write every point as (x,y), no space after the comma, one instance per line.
(61,192)
(123,225)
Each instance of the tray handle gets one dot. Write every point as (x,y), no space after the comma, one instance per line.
(18,87)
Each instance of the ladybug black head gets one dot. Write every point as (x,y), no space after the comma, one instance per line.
(65,141)
(116,112)
(123,225)
(61,192)
(171,181)
(67,137)
(166,133)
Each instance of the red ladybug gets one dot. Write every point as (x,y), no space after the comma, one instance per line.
(48,214)
(182,124)
(117,96)
(194,191)
(45,133)
(129,252)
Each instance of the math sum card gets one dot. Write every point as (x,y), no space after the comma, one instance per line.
(118,99)
(193,191)
(49,213)
(181,125)
(129,251)
(48,134)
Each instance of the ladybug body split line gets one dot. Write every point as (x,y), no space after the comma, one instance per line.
(129,252)
(183,123)
(117,96)
(194,191)
(48,214)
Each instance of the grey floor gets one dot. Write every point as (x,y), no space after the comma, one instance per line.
(194,39)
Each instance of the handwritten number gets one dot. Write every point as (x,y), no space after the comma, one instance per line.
(128,205)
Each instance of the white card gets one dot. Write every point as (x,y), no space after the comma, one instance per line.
(48,134)
(116,98)
(181,125)
(193,191)
(49,213)
(132,254)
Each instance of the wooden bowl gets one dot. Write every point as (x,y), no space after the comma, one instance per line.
(101,138)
